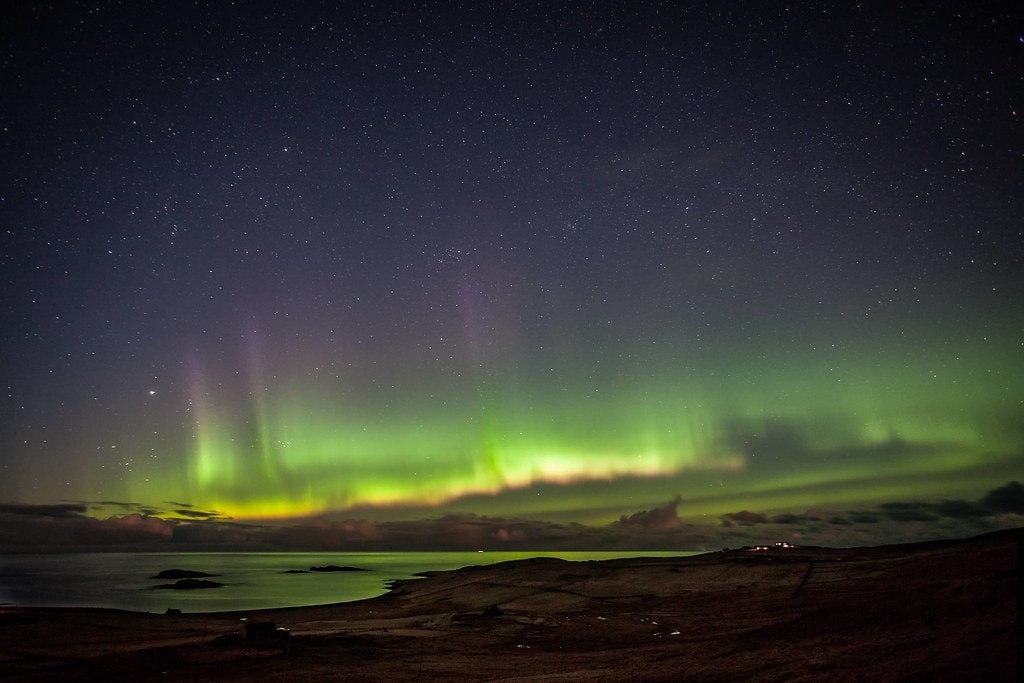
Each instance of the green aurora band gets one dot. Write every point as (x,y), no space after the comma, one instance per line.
(767,434)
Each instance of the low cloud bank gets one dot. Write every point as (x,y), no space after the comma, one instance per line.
(68,526)
(890,522)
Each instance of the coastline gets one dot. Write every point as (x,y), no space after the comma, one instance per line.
(941,610)
(252,580)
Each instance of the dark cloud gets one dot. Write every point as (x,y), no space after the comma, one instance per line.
(901,511)
(98,507)
(961,509)
(860,517)
(788,519)
(67,527)
(58,511)
(665,517)
(746,517)
(133,527)
(178,509)
(76,532)
(656,529)
(1008,498)
(198,514)
(468,531)
(217,536)
(768,441)
(891,522)
(326,533)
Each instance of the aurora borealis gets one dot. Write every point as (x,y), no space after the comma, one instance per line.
(581,268)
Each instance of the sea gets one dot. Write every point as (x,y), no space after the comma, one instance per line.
(251,580)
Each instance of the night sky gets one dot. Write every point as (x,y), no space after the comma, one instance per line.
(606,274)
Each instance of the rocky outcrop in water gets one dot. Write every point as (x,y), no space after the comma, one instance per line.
(335,568)
(189,584)
(182,574)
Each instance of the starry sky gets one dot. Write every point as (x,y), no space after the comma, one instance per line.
(597,274)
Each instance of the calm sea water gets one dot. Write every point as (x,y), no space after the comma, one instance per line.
(251,580)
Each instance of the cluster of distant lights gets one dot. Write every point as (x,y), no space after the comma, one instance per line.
(778,545)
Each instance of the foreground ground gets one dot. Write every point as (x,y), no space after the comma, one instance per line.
(937,611)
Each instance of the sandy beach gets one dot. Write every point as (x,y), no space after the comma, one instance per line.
(931,611)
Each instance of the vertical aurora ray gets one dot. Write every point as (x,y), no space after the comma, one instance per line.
(258,394)
(212,458)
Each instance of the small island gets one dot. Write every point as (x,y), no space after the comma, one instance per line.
(335,568)
(182,574)
(324,568)
(189,584)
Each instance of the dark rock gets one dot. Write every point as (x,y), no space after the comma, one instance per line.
(173,611)
(295,571)
(190,584)
(181,574)
(335,568)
